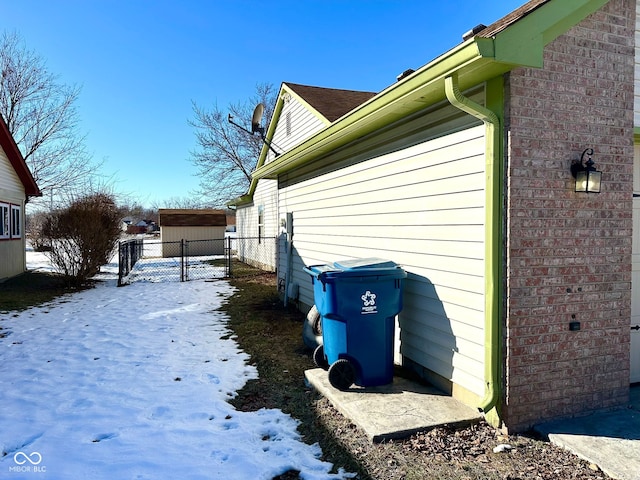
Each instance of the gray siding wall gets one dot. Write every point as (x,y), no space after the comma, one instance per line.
(421,206)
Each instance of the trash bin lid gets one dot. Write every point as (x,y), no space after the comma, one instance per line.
(365,263)
(317,270)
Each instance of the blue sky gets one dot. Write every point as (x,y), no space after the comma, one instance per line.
(141,63)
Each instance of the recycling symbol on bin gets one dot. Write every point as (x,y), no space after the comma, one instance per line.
(369,303)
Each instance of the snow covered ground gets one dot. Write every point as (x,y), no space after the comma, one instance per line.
(133,383)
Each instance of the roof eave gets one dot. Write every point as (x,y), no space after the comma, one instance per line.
(243,200)
(519,42)
(17,161)
(421,89)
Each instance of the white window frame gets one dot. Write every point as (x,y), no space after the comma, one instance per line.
(5,221)
(260,223)
(16,221)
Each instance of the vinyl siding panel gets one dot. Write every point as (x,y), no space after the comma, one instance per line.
(207,240)
(10,184)
(266,195)
(12,258)
(261,253)
(172,234)
(421,206)
(303,123)
(244,222)
(12,251)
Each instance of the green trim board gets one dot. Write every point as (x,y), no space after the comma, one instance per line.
(308,106)
(523,39)
(285,91)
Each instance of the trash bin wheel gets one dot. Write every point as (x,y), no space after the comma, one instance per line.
(312,329)
(342,374)
(319,359)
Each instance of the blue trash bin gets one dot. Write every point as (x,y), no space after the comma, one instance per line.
(358,300)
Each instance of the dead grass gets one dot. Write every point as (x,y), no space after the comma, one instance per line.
(272,335)
(31,289)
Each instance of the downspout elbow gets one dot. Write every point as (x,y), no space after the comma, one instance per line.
(467,105)
(492,238)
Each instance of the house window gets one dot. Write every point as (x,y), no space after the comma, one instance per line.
(16,222)
(260,223)
(4,220)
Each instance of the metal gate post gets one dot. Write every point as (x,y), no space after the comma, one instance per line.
(186,260)
(227,257)
(121,260)
(182,260)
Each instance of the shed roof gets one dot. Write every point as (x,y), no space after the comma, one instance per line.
(17,161)
(170,217)
(332,103)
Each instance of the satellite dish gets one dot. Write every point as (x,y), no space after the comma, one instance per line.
(255,125)
(257,119)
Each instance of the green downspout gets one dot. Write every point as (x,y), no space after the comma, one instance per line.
(493,242)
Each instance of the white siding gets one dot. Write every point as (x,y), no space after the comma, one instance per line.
(10,184)
(12,252)
(303,124)
(261,254)
(295,124)
(422,207)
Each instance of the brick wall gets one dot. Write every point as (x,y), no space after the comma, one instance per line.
(569,254)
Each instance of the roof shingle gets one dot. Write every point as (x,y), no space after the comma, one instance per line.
(332,103)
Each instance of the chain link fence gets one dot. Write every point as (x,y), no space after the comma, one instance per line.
(181,261)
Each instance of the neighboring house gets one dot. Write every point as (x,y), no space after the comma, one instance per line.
(139,227)
(17,185)
(203,228)
(300,112)
(520,291)
(126,223)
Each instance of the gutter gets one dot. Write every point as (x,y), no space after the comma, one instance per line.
(422,88)
(493,238)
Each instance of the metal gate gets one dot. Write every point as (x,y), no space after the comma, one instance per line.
(157,261)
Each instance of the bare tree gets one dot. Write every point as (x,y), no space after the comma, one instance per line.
(227,155)
(180,202)
(136,211)
(42,116)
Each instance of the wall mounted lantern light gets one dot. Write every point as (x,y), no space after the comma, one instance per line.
(587,177)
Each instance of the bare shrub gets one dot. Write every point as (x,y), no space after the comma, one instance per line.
(34,223)
(82,236)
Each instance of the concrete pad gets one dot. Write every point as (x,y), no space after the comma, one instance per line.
(392,411)
(611,440)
